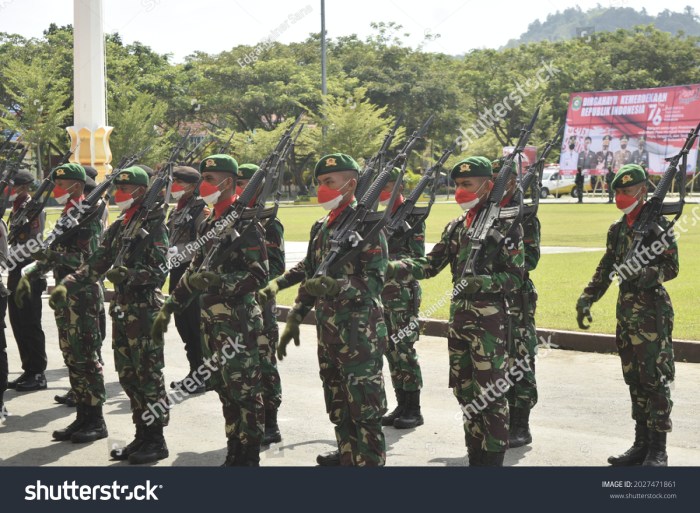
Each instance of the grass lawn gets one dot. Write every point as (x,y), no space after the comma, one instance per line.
(559,278)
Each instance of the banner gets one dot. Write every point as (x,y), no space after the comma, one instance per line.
(529,156)
(607,129)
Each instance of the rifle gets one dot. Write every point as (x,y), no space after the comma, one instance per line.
(399,221)
(7,182)
(30,210)
(6,144)
(346,241)
(225,146)
(375,162)
(483,227)
(533,178)
(134,237)
(647,221)
(238,211)
(186,159)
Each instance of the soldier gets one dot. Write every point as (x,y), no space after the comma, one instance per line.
(609,177)
(401,300)
(137,298)
(268,339)
(77,322)
(640,156)
(522,337)
(579,181)
(4,368)
(644,318)
(605,155)
(586,157)
(478,318)
(26,321)
(623,155)
(231,317)
(352,335)
(184,225)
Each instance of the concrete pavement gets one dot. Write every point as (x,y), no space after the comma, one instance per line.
(582,416)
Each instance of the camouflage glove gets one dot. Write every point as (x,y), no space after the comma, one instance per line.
(23,291)
(291,331)
(44,255)
(59,297)
(322,286)
(117,275)
(269,292)
(204,280)
(160,323)
(583,311)
(392,268)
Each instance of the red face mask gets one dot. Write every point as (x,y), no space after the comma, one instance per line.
(61,195)
(177,191)
(209,192)
(123,200)
(467,199)
(626,203)
(328,198)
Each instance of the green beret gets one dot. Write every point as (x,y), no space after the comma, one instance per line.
(187,174)
(628,175)
(496,165)
(133,175)
(394,174)
(335,162)
(220,163)
(246,171)
(149,171)
(472,167)
(24,177)
(69,172)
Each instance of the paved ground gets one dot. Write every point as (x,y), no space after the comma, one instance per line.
(582,417)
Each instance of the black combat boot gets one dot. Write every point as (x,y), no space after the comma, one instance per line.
(13,384)
(153,447)
(388,419)
(93,428)
(63,435)
(123,453)
(519,433)
(68,399)
(233,454)
(656,457)
(634,455)
(329,459)
(272,430)
(410,417)
(33,382)
(251,455)
(492,459)
(474,452)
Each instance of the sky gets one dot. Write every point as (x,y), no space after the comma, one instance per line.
(180,27)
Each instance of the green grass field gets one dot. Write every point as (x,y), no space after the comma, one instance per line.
(559,278)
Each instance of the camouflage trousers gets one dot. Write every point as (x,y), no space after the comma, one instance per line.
(644,343)
(231,332)
(80,341)
(522,346)
(267,347)
(351,342)
(139,360)
(478,359)
(402,326)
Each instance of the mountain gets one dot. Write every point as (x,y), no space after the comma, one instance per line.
(574,22)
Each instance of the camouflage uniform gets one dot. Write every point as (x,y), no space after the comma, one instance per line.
(79,335)
(401,300)
(352,338)
(267,342)
(138,358)
(644,323)
(477,329)
(187,322)
(523,339)
(231,326)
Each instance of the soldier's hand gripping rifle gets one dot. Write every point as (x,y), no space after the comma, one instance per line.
(30,210)
(135,236)
(398,225)
(90,208)
(376,162)
(484,226)
(352,233)
(228,237)
(647,222)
